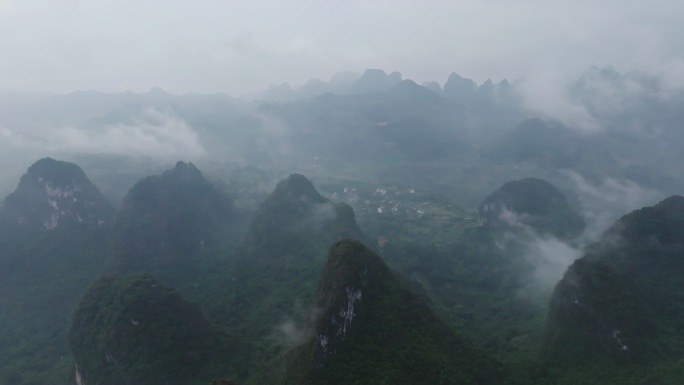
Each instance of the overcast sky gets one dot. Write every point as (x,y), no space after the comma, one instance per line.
(238,46)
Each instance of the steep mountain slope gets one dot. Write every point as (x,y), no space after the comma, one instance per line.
(52,242)
(53,193)
(532,202)
(135,330)
(172,223)
(280,260)
(493,281)
(373,330)
(618,309)
(296,210)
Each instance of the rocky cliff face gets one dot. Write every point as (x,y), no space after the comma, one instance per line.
(54,193)
(280,260)
(53,232)
(370,322)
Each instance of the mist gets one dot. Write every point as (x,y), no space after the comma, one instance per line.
(411,113)
(600,204)
(259,45)
(298,327)
(604,203)
(549,258)
(156,134)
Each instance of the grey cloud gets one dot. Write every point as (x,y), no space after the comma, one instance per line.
(548,93)
(113,46)
(605,202)
(274,135)
(548,256)
(156,134)
(293,334)
(602,204)
(295,330)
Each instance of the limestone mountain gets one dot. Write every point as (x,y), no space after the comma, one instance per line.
(620,306)
(295,213)
(433,86)
(54,193)
(374,80)
(136,330)
(460,88)
(293,227)
(280,260)
(373,330)
(170,223)
(52,246)
(533,202)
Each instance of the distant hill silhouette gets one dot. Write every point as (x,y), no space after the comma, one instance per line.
(533,202)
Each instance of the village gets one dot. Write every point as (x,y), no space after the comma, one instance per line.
(386,211)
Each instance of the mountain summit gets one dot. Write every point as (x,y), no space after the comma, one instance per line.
(295,210)
(167,221)
(53,193)
(136,330)
(281,258)
(532,202)
(374,80)
(52,246)
(370,322)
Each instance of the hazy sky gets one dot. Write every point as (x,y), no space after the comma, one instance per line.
(238,46)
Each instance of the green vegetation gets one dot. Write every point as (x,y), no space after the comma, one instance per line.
(275,269)
(532,202)
(372,329)
(173,225)
(52,245)
(137,330)
(454,304)
(618,310)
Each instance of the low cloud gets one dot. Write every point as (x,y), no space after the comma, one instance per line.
(274,135)
(549,257)
(154,134)
(157,135)
(598,96)
(293,333)
(548,93)
(297,329)
(604,203)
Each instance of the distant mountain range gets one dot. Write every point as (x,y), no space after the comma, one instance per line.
(460,137)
